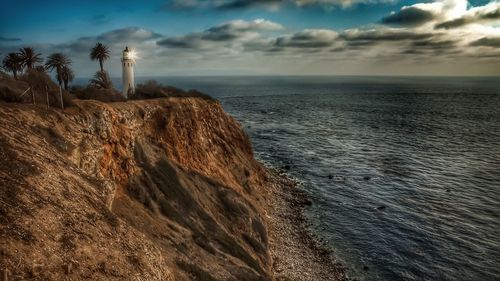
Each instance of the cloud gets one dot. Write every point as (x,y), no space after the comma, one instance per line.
(224,33)
(431,47)
(9,40)
(422,13)
(129,34)
(493,42)
(119,37)
(409,16)
(241,37)
(242,4)
(272,4)
(383,34)
(434,44)
(483,14)
(309,38)
(100,19)
(262,46)
(340,3)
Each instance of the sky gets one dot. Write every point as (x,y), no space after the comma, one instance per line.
(264,37)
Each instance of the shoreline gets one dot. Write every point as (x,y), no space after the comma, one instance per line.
(296,254)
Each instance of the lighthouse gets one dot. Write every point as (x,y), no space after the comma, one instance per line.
(128,61)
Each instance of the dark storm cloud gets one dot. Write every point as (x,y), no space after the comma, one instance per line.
(487,13)
(493,42)
(410,16)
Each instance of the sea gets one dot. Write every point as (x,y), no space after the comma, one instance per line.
(403,172)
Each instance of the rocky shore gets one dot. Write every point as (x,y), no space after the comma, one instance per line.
(295,252)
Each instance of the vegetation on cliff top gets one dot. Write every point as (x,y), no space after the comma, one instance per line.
(30,81)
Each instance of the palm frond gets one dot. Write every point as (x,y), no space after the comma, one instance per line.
(101,80)
(12,62)
(57,61)
(29,57)
(99,52)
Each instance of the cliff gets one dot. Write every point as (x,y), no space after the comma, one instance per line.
(163,189)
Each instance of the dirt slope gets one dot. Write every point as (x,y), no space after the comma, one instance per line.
(146,190)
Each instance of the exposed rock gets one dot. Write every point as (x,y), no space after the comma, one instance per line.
(5,275)
(126,190)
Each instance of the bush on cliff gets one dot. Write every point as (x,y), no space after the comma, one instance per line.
(40,85)
(10,89)
(100,88)
(100,94)
(152,90)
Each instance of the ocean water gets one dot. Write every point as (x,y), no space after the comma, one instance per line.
(404,172)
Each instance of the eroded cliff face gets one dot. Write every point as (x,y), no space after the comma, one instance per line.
(147,190)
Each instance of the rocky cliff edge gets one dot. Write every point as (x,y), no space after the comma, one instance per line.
(163,189)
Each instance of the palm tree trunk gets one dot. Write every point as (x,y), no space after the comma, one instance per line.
(14,72)
(61,96)
(101,64)
(47,93)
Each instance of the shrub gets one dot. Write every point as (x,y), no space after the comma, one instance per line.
(91,93)
(12,90)
(152,90)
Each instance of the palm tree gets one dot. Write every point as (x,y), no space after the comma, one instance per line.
(40,68)
(100,53)
(29,57)
(101,80)
(57,61)
(67,76)
(12,62)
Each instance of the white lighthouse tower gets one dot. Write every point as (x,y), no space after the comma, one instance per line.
(128,72)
